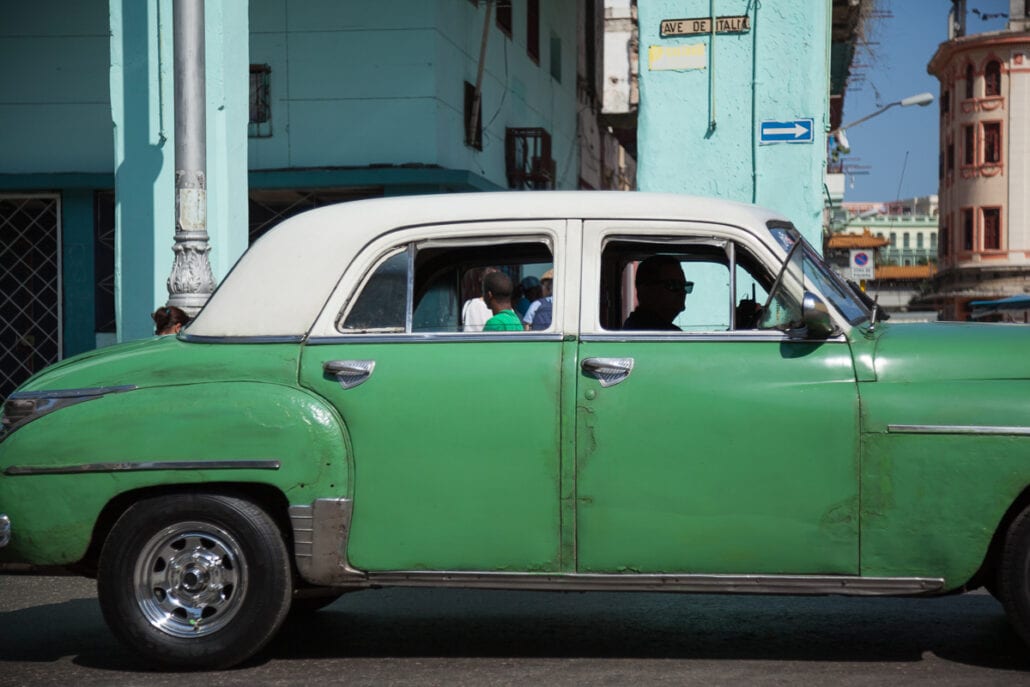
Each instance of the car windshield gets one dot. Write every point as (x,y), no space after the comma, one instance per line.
(805,260)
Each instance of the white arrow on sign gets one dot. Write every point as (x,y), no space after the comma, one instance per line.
(797,131)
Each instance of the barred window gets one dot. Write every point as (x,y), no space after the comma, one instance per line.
(992,142)
(992,228)
(992,78)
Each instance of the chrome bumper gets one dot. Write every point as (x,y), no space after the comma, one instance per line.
(5,530)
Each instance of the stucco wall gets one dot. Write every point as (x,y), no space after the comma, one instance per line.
(776,71)
(54,99)
(356,84)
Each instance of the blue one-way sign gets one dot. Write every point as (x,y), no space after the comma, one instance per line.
(793,131)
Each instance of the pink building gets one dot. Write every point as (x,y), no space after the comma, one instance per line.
(984,226)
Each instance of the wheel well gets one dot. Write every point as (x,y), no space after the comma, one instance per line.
(989,567)
(267,497)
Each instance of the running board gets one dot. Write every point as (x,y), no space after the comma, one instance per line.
(693,584)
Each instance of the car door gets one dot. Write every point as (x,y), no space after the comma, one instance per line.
(720,448)
(454,434)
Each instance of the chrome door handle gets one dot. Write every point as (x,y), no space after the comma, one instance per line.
(349,373)
(608,371)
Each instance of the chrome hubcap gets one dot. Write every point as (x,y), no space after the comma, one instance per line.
(190,579)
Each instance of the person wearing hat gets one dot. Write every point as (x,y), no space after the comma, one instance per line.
(538,316)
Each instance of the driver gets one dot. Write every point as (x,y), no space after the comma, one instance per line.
(662,292)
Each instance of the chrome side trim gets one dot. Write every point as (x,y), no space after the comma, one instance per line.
(47,402)
(438,337)
(71,393)
(285,338)
(686,337)
(814,585)
(5,530)
(143,466)
(959,429)
(321,531)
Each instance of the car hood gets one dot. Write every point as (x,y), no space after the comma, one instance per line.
(938,351)
(165,361)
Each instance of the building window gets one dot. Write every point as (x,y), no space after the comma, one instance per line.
(475,141)
(527,158)
(992,142)
(933,242)
(919,241)
(968,145)
(969,81)
(945,103)
(951,158)
(992,78)
(992,228)
(941,238)
(967,229)
(533,30)
(556,57)
(905,241)
(504,16)
(894,239)
(260,124)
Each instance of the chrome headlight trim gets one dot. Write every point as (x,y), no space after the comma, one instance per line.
(22,407)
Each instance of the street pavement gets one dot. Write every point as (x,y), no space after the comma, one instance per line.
(52,632)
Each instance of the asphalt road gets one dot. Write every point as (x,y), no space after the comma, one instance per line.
(51,632)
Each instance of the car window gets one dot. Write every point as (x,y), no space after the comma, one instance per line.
(438,287)
(706,285)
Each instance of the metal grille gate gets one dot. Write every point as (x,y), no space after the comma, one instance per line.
(30,286)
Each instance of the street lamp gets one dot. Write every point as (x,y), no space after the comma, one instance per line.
(839,135)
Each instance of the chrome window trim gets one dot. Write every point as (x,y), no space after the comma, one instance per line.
(286,338)
(959,429)
(436,337)
(144,466)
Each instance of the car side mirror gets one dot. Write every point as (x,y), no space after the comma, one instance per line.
(816,316)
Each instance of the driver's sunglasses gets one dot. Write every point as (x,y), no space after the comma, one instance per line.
(675,285)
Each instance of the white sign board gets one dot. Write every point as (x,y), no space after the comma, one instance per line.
(862,264)
(676,57)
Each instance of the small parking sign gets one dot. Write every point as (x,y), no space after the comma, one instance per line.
(862,264)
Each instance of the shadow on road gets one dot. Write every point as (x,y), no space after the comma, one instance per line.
(969,629)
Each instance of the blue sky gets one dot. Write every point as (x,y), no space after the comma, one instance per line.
(893,69)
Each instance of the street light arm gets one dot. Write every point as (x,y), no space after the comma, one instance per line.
(921,99)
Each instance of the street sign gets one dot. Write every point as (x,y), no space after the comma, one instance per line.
(701,25)
(862,264)
(791,131)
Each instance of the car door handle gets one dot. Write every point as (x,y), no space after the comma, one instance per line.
(608,371)
(349,373)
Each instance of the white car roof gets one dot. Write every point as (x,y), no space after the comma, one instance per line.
(281,283)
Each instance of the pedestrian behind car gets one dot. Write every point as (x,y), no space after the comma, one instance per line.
(169,319)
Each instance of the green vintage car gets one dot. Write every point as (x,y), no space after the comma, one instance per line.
(337,418)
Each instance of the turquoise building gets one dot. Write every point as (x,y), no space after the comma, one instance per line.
(307,103)
(739,108)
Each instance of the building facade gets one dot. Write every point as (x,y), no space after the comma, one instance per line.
(307,103)
(737,105)
(984,245)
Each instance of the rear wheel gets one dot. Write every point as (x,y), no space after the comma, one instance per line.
(1013,582)
(194,581)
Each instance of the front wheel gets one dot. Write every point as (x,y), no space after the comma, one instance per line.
(194,581)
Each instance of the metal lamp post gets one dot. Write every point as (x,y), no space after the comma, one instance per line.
(839,135)
(191,281)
